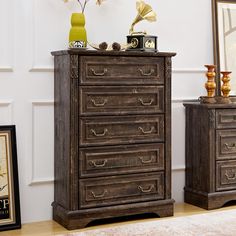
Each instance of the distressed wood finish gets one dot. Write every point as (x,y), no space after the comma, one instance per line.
(112,135)
(210,154)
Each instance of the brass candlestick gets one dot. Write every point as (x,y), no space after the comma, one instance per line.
(225,87)
(210,85)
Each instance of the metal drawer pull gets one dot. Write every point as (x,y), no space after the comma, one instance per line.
(148,190)
(98,104)
(99,165)
(147,132)
(99,135)
(99,73)
(144,73)
(232,177)
(231,146)
(99,195)
(150,160)
(146,103)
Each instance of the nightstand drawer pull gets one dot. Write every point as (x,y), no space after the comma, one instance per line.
(144,73)
(148,131)
(99,73)
(99,195)
(230,146)
(150,160)
(148,190)
(231,176)
(103,163)
(98,104)
(99,135)
(145,103)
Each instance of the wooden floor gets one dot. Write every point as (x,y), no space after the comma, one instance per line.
(46,228)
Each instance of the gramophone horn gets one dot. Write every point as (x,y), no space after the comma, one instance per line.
(145,12)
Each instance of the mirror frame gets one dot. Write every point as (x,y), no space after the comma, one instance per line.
(216,40)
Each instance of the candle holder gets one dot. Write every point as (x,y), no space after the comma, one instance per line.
(210,85)
(225,87)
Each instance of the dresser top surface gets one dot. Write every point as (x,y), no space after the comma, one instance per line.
(88,52)
(210,106)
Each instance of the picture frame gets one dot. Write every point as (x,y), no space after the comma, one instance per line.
(9,186)
(224,38)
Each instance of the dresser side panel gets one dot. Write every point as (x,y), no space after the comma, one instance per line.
(200,149)
(167,127)
(62,130)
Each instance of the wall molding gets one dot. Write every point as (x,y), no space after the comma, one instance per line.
(182,100)
(9,104)
(188,70)
(34,66)
(34,180)
(178,168)
(41,69)
(6,69)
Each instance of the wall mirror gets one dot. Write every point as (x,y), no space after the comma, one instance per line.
(224,36)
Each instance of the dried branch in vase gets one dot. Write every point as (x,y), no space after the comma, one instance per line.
(83,3)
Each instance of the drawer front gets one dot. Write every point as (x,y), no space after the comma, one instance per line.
(120,190)
(121,100)
(121,70)
(121,130)
(225,118)
(121,160)
(225,144)
(226,175)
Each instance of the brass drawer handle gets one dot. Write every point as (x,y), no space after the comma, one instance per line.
(99,165)
(144,73)
(99,73)
(232,177)
(231,146)
(99,195)
(99,135)
(150,160)
(148,131)
(148,190)
(146,103)
(98,104)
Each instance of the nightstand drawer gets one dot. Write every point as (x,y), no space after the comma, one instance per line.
(121,100)
(121,160)
(121,130)
(226,175)
(225,144)
(120,190)
(225,118)
(121,70)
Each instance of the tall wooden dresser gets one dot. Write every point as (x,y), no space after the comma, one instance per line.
(210,154)
(112,135)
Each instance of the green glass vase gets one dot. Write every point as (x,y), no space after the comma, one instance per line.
(78,35)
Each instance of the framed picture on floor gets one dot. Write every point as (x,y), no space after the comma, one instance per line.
(9,186)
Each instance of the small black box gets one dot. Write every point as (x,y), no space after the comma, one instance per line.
(142,42)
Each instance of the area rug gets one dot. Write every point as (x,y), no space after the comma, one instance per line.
(207,224)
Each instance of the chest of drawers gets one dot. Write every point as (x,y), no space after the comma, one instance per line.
(112,135)
(210,154)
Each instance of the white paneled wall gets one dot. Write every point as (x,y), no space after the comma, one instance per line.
(31,29)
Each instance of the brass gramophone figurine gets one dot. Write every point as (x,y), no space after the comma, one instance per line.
(140,41)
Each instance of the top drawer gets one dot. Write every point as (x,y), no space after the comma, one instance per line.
(121,70)
(225,118)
